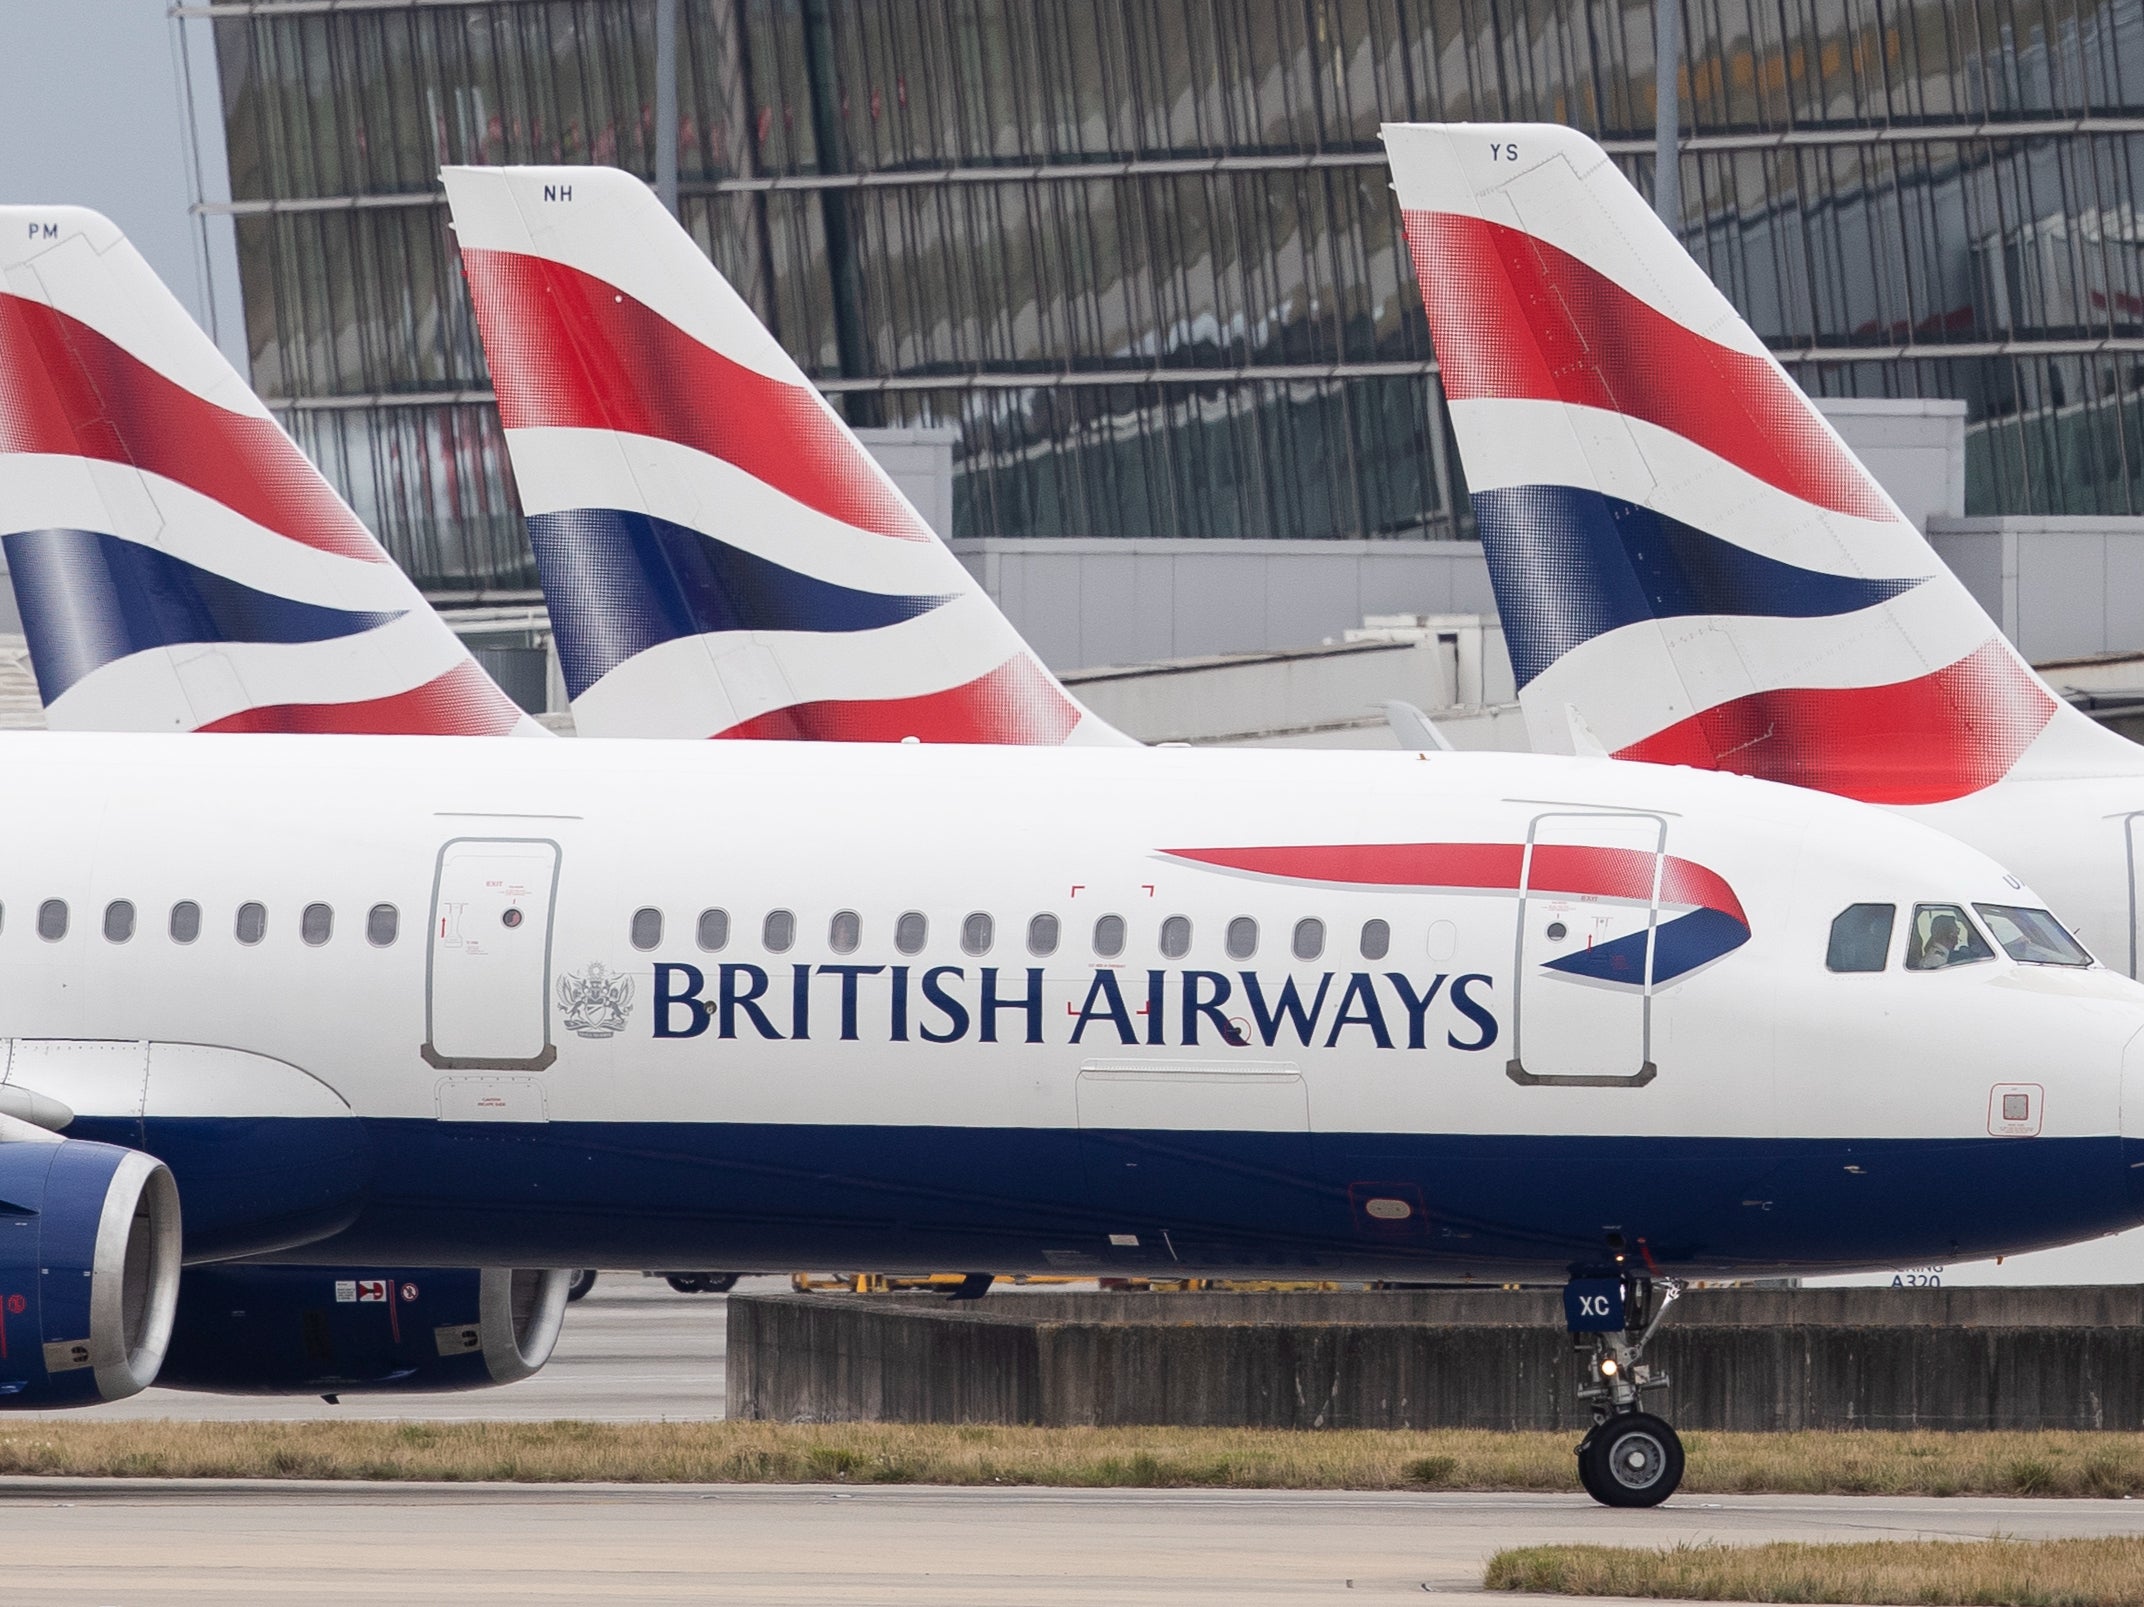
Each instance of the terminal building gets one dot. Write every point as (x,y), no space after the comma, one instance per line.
(1121,282)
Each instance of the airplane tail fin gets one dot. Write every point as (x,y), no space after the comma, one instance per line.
(179,564)
(1686,556)
(721,556)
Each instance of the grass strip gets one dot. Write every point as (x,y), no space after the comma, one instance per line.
(1868,1462)
(1997,1573)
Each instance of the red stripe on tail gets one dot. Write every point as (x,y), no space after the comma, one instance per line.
(569,351)
(1015,704)
(1514,317)
(1922,741)
(68,391)
(464,702)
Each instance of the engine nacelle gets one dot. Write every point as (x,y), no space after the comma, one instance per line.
(89,1269)
(276,1330)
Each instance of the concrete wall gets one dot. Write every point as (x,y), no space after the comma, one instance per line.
(1756,1359)
(2059,588)
(1087,603)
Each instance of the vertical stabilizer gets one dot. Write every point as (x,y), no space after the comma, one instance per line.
(721,556)
(178,563)
(1689,562)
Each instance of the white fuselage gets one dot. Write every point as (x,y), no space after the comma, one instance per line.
(538,1068)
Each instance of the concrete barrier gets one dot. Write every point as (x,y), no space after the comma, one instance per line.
(1739,1359)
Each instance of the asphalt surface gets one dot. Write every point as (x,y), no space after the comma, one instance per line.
(632,1349)
(142,1544)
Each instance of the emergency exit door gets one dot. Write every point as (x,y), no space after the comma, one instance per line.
(1588,915)
(488,983)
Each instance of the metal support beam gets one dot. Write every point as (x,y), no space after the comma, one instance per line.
(1667,112)
(666,103)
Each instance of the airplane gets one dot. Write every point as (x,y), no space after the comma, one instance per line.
(1692,568)
(721,556)
(178,563)
(414,1002)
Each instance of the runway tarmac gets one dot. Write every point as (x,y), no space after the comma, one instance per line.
(632,1349)
(141,1544)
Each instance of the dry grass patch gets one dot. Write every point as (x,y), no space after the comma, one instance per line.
(2055,1464)
(1983,1573)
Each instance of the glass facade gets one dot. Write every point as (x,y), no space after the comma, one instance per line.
(1142,254)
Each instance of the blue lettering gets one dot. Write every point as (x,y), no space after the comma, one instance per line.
(688,996)
(848,975)
(732,1001)
(1417,1005)
(1290,1006)
(899,1033)
(1474,1011)
(1359,986)
(992,1004)
(956,1013)
(800,1002)
(1194,1007)
(1157,1017)
(1104,986)
(558,192)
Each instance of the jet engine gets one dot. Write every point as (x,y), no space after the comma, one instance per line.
(277,1330)
(89,1269)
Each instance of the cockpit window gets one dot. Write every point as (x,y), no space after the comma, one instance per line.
(1942,936)
(1861,937)
(2032,937)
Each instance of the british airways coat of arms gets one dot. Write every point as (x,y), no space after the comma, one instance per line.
(596,1001)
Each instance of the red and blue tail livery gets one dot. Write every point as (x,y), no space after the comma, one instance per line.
(721,556)
(1690,564)
(178,564)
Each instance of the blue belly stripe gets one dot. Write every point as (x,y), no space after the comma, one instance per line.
(773,1197)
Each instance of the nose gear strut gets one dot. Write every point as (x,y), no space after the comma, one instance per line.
(1629,1458)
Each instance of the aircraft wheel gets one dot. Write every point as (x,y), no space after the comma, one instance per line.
(718,1283)
(583,1281)
(1632,1460)
(685,1283)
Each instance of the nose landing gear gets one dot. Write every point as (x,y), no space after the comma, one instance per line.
(1629,1458)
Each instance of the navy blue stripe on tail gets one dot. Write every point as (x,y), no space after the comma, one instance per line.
(1569,565)
(89,599)
(620,583)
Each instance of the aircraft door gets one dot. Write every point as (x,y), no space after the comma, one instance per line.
(488,954)
(2133,830)
(1589,908)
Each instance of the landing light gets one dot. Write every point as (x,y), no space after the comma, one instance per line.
(1608,1367)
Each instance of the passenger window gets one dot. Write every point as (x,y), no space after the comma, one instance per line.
(252,924)
(1242,938)
(1861,938)
(118,921)
(1042,936)
(778,931)
(382,923)
(977,933)
(52,919)
(714,930)
(1942,936)
(1109,936)
(647,930)
(1309,939)
(1176,937)
(844,932)
(316,924)
(2032,937)
(185,921)
(1376,939)
(910,933)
